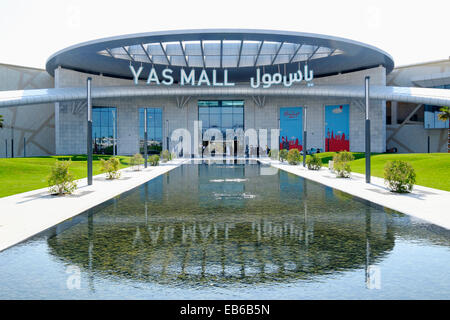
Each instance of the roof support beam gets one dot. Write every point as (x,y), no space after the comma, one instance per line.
(276,54)
(403,123)
(184,54)
(332,51)
(295,53)
(109,52)
(128,53)
(259,51)
(146,53)
(240,52)
(165,53)
(182,101)
(312,54)
(259,101)
(361,104)
(203,54)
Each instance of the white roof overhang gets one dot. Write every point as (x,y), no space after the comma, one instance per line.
(440,97)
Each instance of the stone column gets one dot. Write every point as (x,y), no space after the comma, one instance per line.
(393,112)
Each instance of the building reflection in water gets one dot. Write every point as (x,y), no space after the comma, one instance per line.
(177,231)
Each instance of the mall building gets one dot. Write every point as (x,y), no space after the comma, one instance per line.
(208,82)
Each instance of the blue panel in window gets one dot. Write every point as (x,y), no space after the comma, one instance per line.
(227,120)
(214,110)
(95,118)
(103,132)
(203,110)
(104,119)
(95,132)
(154,123)
(214,120)
(110,118)
(227,110)
(431,118)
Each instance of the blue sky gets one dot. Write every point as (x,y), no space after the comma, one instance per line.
(411,31)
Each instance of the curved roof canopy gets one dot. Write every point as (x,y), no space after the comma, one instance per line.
(240,51)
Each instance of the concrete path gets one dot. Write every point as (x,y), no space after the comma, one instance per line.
(26,214)
(431,205)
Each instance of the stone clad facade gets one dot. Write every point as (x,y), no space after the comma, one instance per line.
(71,117)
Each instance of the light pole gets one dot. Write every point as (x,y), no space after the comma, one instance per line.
(367,130)
(114,131)
(12,141)
(89,132)
(304,136)
(167,135)
(145,138)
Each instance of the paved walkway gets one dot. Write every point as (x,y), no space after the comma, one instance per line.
(26,214)
(431,205)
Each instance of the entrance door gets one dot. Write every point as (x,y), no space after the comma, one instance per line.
(221,115)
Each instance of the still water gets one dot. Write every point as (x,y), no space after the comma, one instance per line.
(231,231)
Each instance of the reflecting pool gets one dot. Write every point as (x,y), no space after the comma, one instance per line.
(231,231)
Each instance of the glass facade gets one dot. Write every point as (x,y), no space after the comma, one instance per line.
(154,130)
(222,115)
(104,130)
(431,120)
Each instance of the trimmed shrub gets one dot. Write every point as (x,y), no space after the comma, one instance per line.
(341,164)
(154,160)
(313,162)
(293,157)
(60,180)
(399,176)
(166,156)
(111,168)
(136,161)
(344,156)
(283,154)
(342,169)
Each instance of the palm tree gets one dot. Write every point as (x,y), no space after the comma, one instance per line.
(445,116)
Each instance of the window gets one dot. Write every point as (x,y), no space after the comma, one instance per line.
(104,130)
(431,120)
(154,130)
(222,115)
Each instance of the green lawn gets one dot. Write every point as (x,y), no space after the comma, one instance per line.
(432,169)
(24,174)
